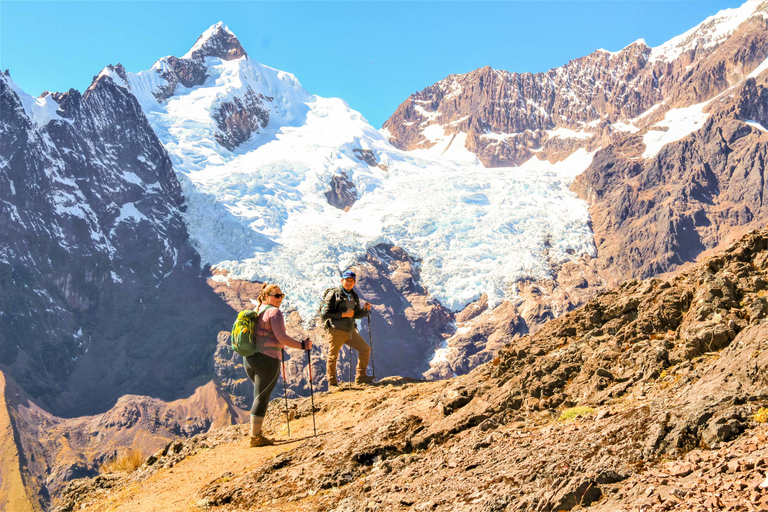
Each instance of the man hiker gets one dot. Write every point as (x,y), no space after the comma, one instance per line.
(340,309)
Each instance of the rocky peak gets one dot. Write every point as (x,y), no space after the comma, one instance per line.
(217,41)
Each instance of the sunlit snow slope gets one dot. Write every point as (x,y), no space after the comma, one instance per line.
(260,210)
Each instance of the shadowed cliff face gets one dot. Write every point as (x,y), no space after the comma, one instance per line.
(669,376)
(102,293)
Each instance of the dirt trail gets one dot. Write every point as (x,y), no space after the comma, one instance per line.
(176,489)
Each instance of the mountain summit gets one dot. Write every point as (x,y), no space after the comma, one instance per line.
(217,41)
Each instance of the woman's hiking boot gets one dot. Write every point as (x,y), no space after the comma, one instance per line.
(257,436)
(261,440)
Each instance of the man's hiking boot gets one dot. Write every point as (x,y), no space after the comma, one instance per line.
(333,386)
(364,380)
(260,440)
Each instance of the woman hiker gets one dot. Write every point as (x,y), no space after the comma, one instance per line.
(263,367)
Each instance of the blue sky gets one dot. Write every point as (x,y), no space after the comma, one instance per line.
(372,54)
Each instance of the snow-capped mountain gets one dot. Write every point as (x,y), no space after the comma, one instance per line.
(260,195)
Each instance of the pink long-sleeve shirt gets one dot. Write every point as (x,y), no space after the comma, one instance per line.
(271,333)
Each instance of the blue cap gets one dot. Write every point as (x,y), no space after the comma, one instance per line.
(349,273)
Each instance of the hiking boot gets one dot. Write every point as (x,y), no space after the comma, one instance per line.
(364,380)
(333,386)
(260,440)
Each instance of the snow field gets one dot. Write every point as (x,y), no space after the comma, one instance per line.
(260,211)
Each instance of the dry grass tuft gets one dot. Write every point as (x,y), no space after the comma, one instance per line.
(127,460)
(761,416)
(573,412)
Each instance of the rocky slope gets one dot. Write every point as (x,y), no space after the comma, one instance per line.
(652,215)
(670,381)
(49,451)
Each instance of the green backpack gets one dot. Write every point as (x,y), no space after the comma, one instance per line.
(243,334)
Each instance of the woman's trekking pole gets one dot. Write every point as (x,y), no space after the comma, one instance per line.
(370,340)
(311,391)
(285,395)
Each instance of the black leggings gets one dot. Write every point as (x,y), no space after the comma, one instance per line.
(263,372)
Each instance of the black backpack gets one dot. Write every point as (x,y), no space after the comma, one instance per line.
(336,298)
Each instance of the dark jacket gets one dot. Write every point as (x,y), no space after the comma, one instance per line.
(334,305)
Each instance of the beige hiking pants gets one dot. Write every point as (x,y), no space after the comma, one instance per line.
(336,338)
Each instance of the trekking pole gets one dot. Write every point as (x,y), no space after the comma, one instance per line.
(349,369)
(311,391)
(285,394)
(370,340)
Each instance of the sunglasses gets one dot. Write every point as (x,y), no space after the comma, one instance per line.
(277,295)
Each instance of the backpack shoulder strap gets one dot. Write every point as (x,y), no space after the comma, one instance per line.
(263,309)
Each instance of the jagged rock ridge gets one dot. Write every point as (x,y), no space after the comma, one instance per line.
(590,102)
(652,215)
(655,206)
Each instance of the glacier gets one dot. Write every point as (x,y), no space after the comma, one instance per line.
(260,211)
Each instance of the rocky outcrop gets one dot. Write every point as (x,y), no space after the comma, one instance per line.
(481,332)
(218,41)
(343,193)
(190,70)
(239,118)
(367,156)
(669,379)
(187,72)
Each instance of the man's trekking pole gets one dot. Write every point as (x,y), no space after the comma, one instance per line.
(370,340)
(349,353)
(285,395)
(311,391)
(349,369)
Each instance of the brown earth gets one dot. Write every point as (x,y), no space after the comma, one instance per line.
(14,495)
(671,381)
